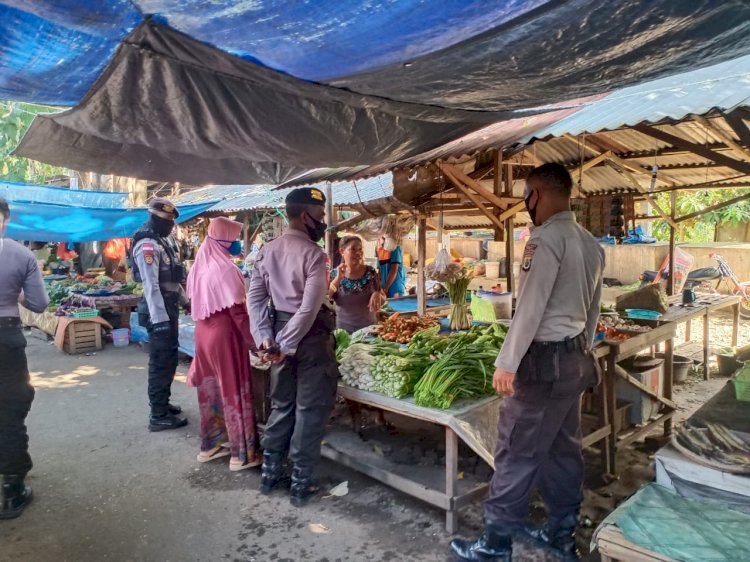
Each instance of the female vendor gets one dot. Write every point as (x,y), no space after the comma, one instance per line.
(355,288)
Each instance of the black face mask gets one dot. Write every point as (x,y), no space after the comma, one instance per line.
(317,230)
(532,212)
(162,227)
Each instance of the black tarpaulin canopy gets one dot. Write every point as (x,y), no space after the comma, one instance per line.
(170,107)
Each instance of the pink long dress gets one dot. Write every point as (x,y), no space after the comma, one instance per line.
(221,368)
(221,374)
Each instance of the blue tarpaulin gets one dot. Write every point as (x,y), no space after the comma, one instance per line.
(69,215)
(240,91)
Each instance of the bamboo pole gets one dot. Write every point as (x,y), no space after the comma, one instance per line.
(421,257)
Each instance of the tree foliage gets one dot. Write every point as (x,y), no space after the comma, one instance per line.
(702,228)
(15,119)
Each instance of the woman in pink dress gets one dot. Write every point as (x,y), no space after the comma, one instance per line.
(221,368)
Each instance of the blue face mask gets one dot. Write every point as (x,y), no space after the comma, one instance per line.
(235,247)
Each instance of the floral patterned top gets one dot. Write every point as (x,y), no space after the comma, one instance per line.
(353,300)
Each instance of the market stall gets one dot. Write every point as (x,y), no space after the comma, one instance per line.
(704,306)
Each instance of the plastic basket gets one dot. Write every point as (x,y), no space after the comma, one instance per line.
(83,314)
(742,384)
(121,337)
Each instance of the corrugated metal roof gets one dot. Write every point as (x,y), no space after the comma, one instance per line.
(235,198)
(723,86)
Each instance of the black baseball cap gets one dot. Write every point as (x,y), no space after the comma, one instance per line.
(306,196)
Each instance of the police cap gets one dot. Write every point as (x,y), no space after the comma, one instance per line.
(306,196)
(163,208)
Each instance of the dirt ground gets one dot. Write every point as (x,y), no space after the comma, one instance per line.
(107,489)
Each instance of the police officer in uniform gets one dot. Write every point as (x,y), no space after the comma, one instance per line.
(291,316)
(542,370)
(157,266)
(20,282)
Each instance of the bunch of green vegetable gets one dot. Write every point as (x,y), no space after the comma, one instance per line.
(396,374)
(357,361)
(57,292)
(343,339)
(459,314)
(463,370)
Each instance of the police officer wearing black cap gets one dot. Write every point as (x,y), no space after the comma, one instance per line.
(156,264)
(293,321)
(20,282)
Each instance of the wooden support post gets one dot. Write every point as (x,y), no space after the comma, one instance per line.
(330,220)
(421,257)
(672,233)
(706,343)
(668,381)
(611,397)
(246,232)
(451,479)
(509,241)
(497,189)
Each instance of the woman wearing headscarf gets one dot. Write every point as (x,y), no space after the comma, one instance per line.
(221,368)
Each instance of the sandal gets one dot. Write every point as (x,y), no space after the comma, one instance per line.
(215,453)
(236,465)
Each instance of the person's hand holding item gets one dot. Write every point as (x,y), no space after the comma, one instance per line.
(270,352)
(377,300)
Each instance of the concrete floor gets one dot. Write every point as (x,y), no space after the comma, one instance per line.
(107,489)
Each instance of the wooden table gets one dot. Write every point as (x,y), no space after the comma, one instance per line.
(614,547)
(618,351)
(120,304)
(705,304)
(451,498)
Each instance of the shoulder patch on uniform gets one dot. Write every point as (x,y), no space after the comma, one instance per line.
(528,255)
(148,253)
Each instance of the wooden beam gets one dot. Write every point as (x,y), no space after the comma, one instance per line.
(712,208)
(672,240)
(509,241)
(698,149)
(351,221)
(512,211)
(646,194)
(330,235)
(474,198)
(454,172)
(421,258)
(497,188)
(728,140)
(662,177)
(738,126)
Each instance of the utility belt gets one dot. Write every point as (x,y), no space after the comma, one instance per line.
(325,321)
(10,322)
(541,364)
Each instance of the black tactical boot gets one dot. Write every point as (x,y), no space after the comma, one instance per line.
(495,545)
(174,409)
(272,472)
(303,486)
(16,495)
(165,421)
(559,536)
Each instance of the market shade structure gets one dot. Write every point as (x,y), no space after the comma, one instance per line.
(54,214)
(257,92)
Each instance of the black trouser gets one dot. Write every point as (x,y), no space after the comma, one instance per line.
(303,392)
(539,437)
(162,358)
(16,395)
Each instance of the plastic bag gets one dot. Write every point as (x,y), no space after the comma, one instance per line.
(443,268)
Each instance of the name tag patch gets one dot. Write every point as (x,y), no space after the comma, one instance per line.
(528,255)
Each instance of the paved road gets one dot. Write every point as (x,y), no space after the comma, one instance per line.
(107,489)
